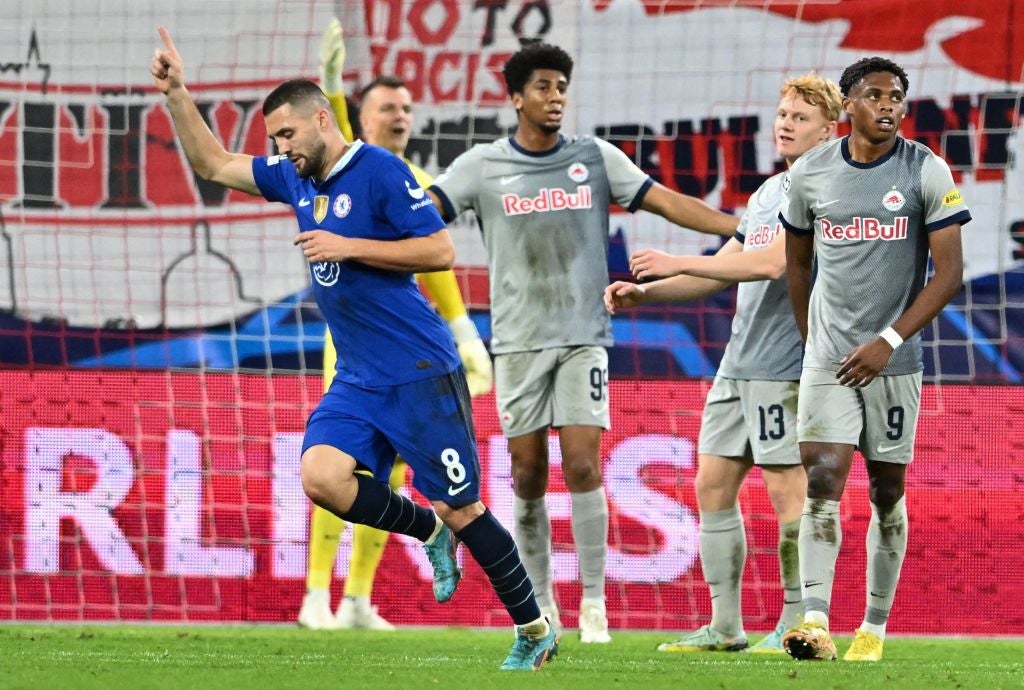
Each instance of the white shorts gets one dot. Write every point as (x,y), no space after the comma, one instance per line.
(755,420)
(556,387)
(880,418)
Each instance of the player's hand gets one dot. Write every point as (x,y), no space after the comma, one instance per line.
(167,68)
(651,263)
(321,245)
(332,57)
(864,363)
(475,358)
(622,294)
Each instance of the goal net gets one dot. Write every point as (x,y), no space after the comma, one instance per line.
(160,350)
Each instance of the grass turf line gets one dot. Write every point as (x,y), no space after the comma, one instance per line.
(37,657)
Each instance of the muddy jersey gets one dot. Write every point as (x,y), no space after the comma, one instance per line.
(765,343)
(870,223)
(544,217)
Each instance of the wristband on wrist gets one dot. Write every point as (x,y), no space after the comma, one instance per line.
(890,336)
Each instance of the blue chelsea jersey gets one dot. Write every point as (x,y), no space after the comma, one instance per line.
(385,331)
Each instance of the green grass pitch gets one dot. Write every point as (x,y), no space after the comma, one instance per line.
(36,657)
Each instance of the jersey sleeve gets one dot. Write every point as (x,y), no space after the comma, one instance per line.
(628,183)
(274,176)
(741,229)
(459,185)
(400,199)
(795,211)
(943,206)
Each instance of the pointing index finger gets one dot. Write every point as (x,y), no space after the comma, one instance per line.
(167,41)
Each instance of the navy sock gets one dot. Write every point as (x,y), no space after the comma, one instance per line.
(378,506)
(494,549)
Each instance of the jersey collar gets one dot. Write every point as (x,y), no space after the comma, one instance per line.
(844,146)
(537,154)
(342,162)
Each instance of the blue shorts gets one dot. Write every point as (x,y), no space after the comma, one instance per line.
(429,423)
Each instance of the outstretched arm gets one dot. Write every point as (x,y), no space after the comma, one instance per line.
(205,154)
(621,294)
(688,211)
(730,263)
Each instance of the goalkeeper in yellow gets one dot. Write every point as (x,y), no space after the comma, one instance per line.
(386,119)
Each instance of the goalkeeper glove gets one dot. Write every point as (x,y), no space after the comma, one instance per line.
(475,358)
(332,57)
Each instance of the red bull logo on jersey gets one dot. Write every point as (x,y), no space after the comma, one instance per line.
(762,236)
(894,200)
(549,199)
(865,229)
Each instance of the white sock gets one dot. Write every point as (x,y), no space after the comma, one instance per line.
(817,617)
(878,630)
(590,532)
(437,530)
(532,532)
(536,628)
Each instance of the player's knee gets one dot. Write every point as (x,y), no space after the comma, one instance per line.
(582,474)
(824,482)
(885,495)
(320,478)
(458,517)
(530,478)
(313,484)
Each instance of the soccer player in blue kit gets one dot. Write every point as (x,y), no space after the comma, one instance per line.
(366,228)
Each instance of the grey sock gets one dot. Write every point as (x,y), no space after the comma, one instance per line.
(887,546)
(820,538)
(789,569)
(533,537)
(590,532)
(723,553)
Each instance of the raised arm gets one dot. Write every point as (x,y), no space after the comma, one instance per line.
(688,211)
(799,257)
(332,62)
(205,154)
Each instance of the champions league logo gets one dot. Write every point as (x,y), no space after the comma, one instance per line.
(326,272)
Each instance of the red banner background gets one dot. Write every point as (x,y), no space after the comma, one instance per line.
(964,495)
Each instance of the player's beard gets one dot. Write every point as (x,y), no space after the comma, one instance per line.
(551,128)
(314,160)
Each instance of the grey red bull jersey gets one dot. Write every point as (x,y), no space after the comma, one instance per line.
(870,223)
(765,343)
(544,218)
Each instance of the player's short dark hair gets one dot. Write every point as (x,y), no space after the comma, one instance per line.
(865,66)
(388,81)
(295,92)
(534,56)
